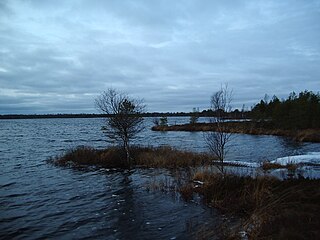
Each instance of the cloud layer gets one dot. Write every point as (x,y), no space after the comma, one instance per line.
(57,56)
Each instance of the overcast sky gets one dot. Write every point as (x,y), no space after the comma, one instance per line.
(57,56)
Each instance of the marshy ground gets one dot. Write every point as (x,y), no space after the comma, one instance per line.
(149,157)
(264,207)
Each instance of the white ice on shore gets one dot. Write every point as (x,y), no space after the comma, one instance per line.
(243,164)
(311,158)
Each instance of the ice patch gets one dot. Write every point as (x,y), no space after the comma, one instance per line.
(242,163)
(313,153)
(309,158)
(199,182)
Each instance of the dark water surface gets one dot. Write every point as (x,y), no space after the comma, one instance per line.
(38,200)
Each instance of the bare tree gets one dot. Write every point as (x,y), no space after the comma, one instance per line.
(194,116)
(124,120)
(218,139)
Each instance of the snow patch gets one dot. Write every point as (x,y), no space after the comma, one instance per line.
(309,158)
(242,164)
(199,182)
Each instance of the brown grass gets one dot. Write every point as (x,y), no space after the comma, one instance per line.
(186,192)
(269,166)
(308,135)
(83,155)
(269,208)
(113,157)
(168,157)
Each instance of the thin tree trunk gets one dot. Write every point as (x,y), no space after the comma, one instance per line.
(126,148)
(222,168)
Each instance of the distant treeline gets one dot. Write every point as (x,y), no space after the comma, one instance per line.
(84,115)
(35,116)
(298,111)
(205,113)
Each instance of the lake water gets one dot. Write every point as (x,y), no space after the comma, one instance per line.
(39,200)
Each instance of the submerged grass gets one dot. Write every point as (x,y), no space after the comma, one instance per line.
(269,208)
(151,157)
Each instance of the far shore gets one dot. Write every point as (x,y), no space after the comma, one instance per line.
(247,127)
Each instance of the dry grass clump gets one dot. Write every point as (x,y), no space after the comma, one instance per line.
(203,176)
(292,212)
(270,166)
(81,154)
(269,208)
(231,193)
(168,157)
(308,135)
(84,155)
(114,157)
(186,192)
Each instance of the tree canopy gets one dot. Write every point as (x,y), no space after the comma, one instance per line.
(298,111)
(125,119)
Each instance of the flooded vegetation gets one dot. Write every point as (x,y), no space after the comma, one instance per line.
(144,157)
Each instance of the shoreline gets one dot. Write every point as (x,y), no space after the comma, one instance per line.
(248,127)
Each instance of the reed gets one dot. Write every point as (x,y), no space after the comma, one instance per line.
(270,166)
(269,208)
(168,157)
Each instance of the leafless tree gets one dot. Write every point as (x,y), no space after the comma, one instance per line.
(194,116)
(124,120)
(218,139)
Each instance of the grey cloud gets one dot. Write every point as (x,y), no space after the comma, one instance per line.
(56,56)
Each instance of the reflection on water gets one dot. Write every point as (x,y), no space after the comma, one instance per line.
(38,200)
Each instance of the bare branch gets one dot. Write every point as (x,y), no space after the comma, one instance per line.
(217,140)
(124,119)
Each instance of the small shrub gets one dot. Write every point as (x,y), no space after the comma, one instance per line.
(156,121)
(203,176)
(186,192)
(292,167)
(79,155)
(268,166)
(168,157)
(164,121)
